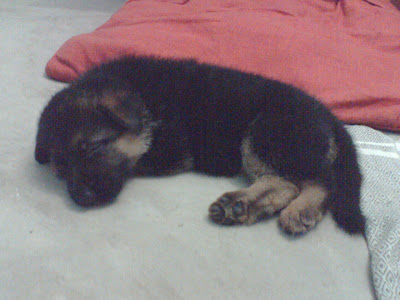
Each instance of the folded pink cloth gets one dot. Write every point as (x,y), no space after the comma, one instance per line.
(344,52)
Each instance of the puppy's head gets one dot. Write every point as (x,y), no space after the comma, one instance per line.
(93,140)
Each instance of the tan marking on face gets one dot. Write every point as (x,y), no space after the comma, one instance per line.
(111,100)
(134,146)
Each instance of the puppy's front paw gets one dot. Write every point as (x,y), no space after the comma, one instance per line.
(297,221)
(228,211)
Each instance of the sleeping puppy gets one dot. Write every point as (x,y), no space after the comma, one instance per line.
(147,116)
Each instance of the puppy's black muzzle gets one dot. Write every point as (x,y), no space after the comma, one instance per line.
(83,195)
(95,193)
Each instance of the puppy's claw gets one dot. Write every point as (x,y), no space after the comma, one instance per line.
(217,213)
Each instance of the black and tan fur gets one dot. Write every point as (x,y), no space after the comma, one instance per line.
(146,116)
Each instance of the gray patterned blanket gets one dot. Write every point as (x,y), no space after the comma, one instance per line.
(380,162)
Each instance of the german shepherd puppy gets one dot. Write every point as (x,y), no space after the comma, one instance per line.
(149,116)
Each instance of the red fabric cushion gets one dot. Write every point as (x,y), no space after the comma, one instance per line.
(345,52)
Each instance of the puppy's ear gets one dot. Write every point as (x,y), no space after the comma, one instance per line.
(48,123)
(42,150)
(127,109)
(44,136)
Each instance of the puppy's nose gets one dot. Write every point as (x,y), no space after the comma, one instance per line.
(82,194)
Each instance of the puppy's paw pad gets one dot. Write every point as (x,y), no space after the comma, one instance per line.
(227,211)
(217,213)
(295,221)
(310,217)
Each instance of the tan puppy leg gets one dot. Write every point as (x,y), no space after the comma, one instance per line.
(266,196)
(306,210)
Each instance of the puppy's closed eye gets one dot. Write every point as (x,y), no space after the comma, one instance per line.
(95,144)
(103,136)
(90,148)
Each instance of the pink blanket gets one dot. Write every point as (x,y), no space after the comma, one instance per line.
(345,52)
